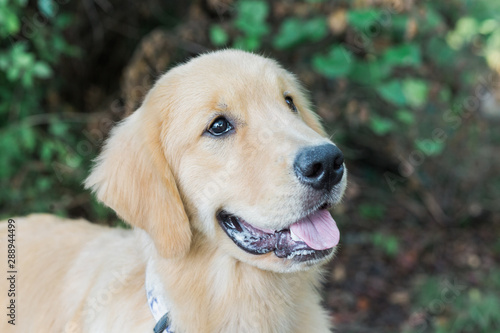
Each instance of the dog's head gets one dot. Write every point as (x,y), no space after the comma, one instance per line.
(226,146)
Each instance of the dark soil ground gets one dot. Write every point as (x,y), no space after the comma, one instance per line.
(370,291)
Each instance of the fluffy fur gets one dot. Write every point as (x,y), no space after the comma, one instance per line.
(164,175)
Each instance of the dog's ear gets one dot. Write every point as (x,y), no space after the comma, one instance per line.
(132,176)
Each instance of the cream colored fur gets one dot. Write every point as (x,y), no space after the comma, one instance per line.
(167,178)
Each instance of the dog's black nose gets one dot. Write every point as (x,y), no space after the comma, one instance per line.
(320,167)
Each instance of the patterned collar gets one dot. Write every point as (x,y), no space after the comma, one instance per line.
(157,301)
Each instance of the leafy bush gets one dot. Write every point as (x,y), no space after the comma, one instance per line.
(471,309)
(40,166)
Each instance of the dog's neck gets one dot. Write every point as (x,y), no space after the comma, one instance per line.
(209,291)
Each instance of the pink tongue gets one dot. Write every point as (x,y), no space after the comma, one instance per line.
(319,230)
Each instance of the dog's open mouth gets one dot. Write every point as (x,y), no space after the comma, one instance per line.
(312,237)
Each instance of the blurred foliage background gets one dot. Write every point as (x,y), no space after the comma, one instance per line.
(409,89)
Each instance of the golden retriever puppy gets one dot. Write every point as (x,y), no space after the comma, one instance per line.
(226,176)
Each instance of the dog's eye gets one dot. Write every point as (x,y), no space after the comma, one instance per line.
(289,101)
(220,126)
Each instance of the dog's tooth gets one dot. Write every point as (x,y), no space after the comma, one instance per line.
(229,223)
(237,225)
(294,236)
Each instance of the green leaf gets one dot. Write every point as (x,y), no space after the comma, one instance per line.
(47,150)
(13,73)
(42,70)
(251,17)
(10,21)
(440,52)
(218,36)
(337,63)
(492,49)
(403,55)
(399,23)
(239,43)
(28,138)
(416,92)
(247,43)
(4,61)
(429,147)
(24,60)
(19,48)
(59,43)
(58,128)
(362,19)
(47,8)
(465,30)
(252,43)
(315,29)
(252,29)
(369,72)
(253,10)
(294,31)
(405,116)
(392,92)
(392,246)
(388,243)
(290,33)
(44,183)
(27,78)
(445,95)
(381,126)
(488,26)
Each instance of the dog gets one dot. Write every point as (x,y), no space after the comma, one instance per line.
(226,176)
